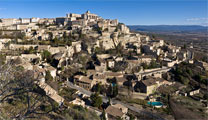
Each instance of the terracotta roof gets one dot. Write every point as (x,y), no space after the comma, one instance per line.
(91,72)
(152,81)
(119,106)
(99,76)
(43,47)
(114,74)
(51,92)
(114,111)
(83,79)
(58,56)
(50,68)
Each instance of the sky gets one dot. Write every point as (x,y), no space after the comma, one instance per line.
(130,12)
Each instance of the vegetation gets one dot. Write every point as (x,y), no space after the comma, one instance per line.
(48,76)
(185,73)
(97,29)
(99,88)
(46,55)
(67,93)
(21,96)
(16,35)
(31,50)
(2,59)
(96,100)
(112,90)
(153,64)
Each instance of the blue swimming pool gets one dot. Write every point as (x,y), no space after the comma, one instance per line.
(155,103)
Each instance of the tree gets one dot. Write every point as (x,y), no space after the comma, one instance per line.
(19,89)
(184,80)
(96,100)
(50,35)
(2,59)
(113,88)
(48,76)
(46,55)
(115,91)
(97,88)
(103,115)
(30,51)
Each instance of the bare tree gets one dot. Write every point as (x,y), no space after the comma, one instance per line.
(20,87)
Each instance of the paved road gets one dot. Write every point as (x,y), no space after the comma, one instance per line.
(105,99)
(155,71)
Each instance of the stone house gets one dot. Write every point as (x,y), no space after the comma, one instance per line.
(194,92)
(78,101)
(173,49)
(115,113)
(99,78)
(202,64)
(54,50)
(102,67)
(146,58)
(121,107)
(77,46)
(39,71)
(30,57)
(103,56)
(18,47)
(110,63)
(83,82)
(150,85)
(43,47)
(109,74)
(121,80)
(52,70)
(169,63)
(182,55)
(51,92)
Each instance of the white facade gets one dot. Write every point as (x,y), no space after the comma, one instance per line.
(34,20)
(25,20)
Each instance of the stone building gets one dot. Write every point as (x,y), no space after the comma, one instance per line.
(83,82)
(150,85)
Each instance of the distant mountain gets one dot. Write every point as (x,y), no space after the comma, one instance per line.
(168,28)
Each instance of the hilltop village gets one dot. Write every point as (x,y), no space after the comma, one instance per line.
(97,63)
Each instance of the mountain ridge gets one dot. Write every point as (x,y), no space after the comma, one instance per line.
(170,28)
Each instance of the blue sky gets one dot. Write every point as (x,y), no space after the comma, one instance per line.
(131,12)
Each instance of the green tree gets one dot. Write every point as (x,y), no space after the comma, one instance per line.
(184,80)
(97,88)
(113,90)
(50,35)
(46,55)
(96,100)
(103,117)
(2,59)
(48,76)
(153,64)
(30,51)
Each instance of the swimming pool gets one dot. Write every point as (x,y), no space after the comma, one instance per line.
(155,103)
